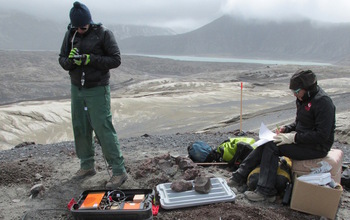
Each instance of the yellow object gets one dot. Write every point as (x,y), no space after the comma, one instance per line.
(283,173)
(229,147)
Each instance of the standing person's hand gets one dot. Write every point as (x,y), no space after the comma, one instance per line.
(77,61)
(86,59)
(73,55)
(73,52)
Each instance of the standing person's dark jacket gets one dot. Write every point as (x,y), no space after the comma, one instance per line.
(104,52)
(315,120)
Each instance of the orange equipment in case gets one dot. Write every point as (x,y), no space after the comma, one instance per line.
(92,200)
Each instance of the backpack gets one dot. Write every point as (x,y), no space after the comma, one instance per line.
(243,150)
(200,151)
(283,175)
(235,150)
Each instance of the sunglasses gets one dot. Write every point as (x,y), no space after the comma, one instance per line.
(296,91)
(81,28)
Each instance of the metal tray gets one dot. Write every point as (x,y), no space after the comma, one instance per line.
(220,192)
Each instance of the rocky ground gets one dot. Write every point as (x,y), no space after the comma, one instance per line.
(150,160)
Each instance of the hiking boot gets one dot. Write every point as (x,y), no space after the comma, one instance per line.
(255,196)
(116,181)
(81,173)
(235,180)
(232,182)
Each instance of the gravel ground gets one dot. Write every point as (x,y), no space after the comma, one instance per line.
(54,166)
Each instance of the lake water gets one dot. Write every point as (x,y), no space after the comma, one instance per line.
(235,60)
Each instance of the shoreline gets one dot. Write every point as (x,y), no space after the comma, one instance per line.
(233,60)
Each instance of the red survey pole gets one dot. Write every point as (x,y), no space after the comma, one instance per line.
(240,127)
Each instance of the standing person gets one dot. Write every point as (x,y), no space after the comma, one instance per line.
(310,136)
(88,52)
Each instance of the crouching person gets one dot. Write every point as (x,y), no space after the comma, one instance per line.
(310,136)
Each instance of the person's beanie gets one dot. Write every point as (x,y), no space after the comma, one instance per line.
(80,15)
(302,79)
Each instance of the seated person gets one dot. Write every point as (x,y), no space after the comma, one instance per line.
(310,136)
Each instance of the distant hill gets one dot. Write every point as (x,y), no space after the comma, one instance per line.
(235,37)
(126,31)
(20,31)
(227,36)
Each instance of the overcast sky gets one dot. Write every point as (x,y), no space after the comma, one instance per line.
(183,15)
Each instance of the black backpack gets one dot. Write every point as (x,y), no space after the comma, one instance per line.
(243,150)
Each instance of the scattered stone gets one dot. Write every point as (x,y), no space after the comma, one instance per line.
(191,174)
(172,171)
(164,164)
(23,144)
(202,185)
(38,176)
(185,163)
(164,157)
(36,189)
(181,185)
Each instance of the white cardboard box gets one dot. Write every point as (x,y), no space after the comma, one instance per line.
(315,199)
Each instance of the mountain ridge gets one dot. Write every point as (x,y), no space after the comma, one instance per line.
(234,37)
(21,31)
(226,36)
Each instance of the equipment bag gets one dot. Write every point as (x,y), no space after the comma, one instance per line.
(243,150)
(234,150)
(200,151)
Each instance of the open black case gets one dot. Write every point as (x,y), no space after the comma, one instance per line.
(126,204)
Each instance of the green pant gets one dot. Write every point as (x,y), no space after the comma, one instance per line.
(91,111)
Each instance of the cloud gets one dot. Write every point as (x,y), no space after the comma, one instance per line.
(170,13)
(321,10)
(185,14)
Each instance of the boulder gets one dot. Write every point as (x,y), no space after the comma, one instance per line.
(181,185)
(202,185)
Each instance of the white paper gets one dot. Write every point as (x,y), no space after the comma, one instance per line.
(265,135)
(317,178)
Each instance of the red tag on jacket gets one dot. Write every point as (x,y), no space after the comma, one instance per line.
(307,108)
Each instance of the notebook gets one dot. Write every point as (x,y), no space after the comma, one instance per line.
(92,200)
